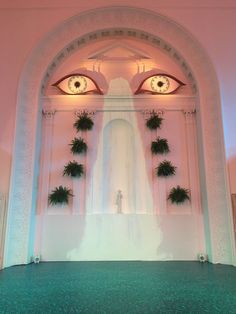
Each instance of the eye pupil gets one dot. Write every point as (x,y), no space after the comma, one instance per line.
(160,84)
(77,84)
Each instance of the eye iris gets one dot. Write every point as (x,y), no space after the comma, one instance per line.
(160,84)
(77,84)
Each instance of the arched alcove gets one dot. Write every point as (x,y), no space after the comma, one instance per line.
(122,133)
(197,65)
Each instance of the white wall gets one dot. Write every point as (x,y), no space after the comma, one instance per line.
(168,232)
(163,231)
(120,237)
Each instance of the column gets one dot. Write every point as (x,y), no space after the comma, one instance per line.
(45,162)
(3,212)
(80,184)
(193,174)
(158,184)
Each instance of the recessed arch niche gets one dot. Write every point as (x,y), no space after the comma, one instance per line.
(214,189)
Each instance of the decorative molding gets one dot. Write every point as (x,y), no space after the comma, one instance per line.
(217,206)
(120,32)
(59,103)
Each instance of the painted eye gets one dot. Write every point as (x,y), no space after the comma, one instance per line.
(159,84)
(77,84)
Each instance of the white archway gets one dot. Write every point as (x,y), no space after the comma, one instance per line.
(22,198)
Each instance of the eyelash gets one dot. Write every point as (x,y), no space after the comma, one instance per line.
(80,79)
(161,86)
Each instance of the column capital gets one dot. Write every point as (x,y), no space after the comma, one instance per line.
(148,112)
(49,113)
(189,115)
(78,113)
(189,112)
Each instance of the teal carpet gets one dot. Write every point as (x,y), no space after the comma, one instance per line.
(118,287)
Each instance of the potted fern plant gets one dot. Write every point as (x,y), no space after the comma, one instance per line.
(60,195)
(178,195)
(160,146)
(165,169)
(84,122)
(73,169)
(78,146)
(154,122)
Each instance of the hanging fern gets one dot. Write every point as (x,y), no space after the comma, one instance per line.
(84,122)
(60,195)
(73,169)
(78,146)
(178,195)
(160,146)
(154,122)
(165,169)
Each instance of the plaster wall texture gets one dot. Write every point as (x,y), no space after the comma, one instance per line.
(24,23)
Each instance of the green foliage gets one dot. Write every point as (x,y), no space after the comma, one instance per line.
(178,195)
(165,169)
(59,196)
(84,122)
(73,169)
(154,122)
(160,146)
(78,146)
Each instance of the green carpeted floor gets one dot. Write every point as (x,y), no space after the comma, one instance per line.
(118,287)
